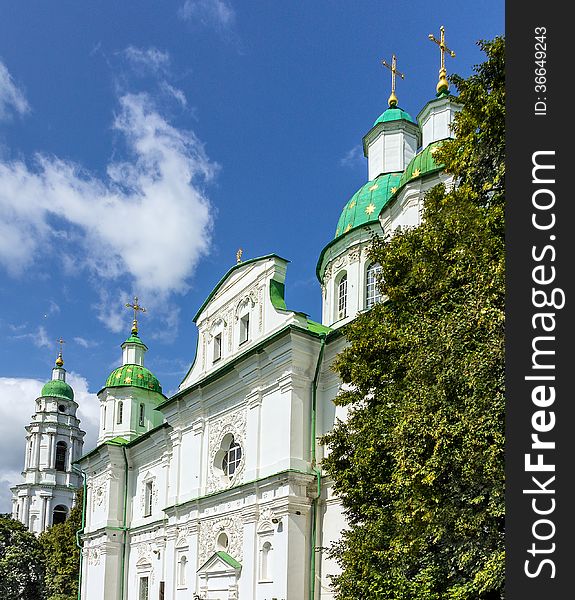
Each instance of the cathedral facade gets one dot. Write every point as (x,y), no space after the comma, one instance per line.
(217,492)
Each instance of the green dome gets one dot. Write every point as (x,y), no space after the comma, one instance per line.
(58,389)
(394,114)
(421,164)
(133,375)
(135,339)
(366,204)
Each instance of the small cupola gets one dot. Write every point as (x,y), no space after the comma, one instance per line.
(393,140)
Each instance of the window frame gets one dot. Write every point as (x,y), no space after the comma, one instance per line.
(341,299)
(218,337)
(61,457)
(148,497)
(244,328)
(371,274)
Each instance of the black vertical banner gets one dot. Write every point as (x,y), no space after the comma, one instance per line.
(540,345)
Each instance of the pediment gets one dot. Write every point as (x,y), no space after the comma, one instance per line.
(220,563)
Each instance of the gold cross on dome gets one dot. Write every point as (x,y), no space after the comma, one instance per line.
(239,255)
(136,308)
(60,360)
(443,84)
(392,101)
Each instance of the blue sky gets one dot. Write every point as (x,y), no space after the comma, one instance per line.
(142,143)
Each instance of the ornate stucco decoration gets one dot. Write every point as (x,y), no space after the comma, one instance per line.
(232,423)
(210,532)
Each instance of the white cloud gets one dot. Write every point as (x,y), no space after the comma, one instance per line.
(85,343)
(353,158)
(148,219)
(215,13)
(11,97)
(175,93)
(16,409)
(149,59)
(39,337)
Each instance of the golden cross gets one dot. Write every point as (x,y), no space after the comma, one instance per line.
(443,84)
(239,255)
(136,307)
(59,360)
(392,101)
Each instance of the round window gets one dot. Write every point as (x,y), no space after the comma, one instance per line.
(62,408)
(228,458)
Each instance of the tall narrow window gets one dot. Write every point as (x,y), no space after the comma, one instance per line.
(372,294)
(245,328)
(61,456)
(120,414)
(148,495)
(144,591)
(342,298)
(217,347)
(142,414)
(265,572)
(104,417)
(182,570)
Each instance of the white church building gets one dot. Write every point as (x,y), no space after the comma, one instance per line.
(54,441)
(217,492)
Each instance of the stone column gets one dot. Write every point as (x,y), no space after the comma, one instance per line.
(48,511)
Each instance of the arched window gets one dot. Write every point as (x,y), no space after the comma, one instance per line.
(61,449)
(342,298)
(142,414)
(232,459)
(120,413)
(372,293)
(104,417)
(59,514)
(222,541)
(265,571)
(182,570)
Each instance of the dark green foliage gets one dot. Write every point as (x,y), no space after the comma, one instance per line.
(21,562)
(419,462)
(63,555)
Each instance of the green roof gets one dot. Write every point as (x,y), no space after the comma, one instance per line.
(134,339)
(366,204)
(421,164)
(394,114)
(228,559)
(133,375)
(56,388)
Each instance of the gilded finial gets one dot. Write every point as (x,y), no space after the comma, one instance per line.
(392,100)
(60,360)
(443,84)
(135,307)
(239,256)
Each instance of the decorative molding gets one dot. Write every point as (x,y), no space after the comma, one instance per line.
(355,253)
(231,423)
(209,532)
(261,308)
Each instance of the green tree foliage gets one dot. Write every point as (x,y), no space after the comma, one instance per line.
(418,464)
(21,562)
(63,555)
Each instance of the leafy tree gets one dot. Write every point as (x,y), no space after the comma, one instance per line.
(63,555)
(21,562)
(418,463)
